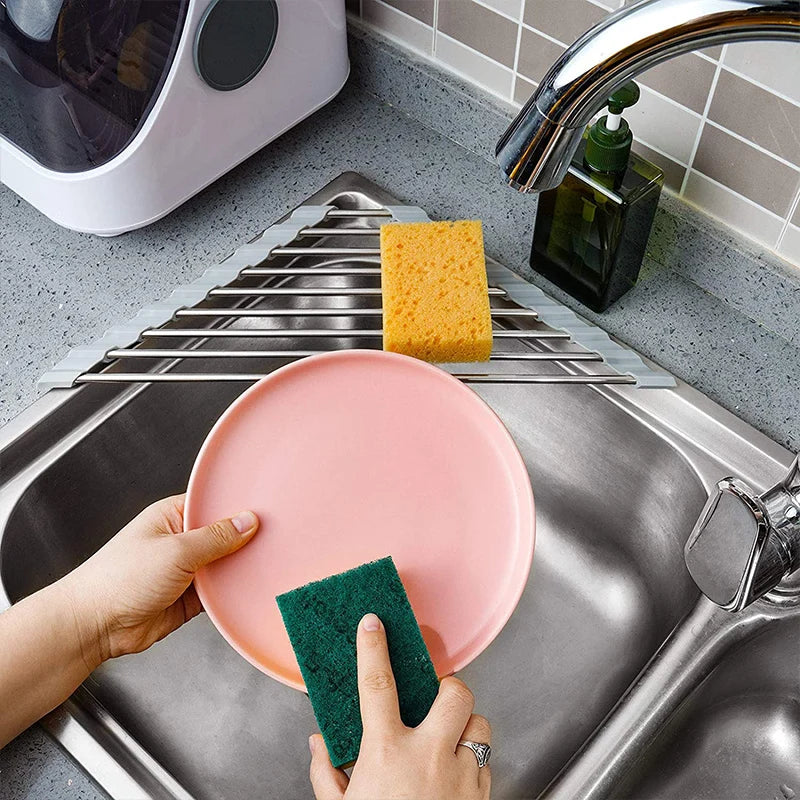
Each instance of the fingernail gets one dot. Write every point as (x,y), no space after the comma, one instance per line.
(244,521)
(311,744)
(370,623)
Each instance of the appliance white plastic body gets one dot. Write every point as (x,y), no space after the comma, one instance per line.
(194,134)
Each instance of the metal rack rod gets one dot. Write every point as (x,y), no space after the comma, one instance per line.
(313,291)
(189,377)
(133,352)
(522,378)
(334,333)
(339,231)
(224,313)
(357,212)
(325,251)
(309,291)
(291,272)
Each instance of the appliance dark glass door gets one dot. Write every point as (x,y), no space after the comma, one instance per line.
(78,78)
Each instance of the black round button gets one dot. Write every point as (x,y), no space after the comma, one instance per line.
(234,40)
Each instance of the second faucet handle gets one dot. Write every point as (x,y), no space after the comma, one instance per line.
(744,544)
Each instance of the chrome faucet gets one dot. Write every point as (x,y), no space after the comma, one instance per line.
(536,150)
(744,544)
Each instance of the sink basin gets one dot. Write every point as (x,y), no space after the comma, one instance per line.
(738,734)
(620,475)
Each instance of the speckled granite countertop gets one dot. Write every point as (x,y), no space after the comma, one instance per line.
(712,309)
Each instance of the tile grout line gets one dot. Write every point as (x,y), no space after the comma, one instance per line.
(544,35)
(393,36)
(780,95)
(484,4)
(788,221)
(736,194)
(516,54)
(696,145)
(527,80)
(465,76)
(753,144)
(661,152)
(504,14)
(475,52)
(432,56)
(604,5)
(705,56)
(671,100)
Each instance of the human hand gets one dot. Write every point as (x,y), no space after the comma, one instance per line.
(138,587)
(424,763)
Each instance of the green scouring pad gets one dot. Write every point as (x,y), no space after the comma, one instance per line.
(322,618)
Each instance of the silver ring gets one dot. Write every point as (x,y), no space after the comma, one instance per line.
(483,752)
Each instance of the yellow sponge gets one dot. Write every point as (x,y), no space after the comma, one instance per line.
(435,295)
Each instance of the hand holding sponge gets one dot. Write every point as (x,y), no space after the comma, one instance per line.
(322,618)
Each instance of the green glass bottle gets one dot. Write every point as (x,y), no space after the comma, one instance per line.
(591,231)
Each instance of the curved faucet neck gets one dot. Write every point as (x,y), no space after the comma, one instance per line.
(536,150)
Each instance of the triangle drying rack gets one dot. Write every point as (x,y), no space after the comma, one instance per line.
(269,289)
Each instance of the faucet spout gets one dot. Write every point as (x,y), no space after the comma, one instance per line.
(536,150)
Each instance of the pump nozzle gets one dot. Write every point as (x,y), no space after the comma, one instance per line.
(609,144)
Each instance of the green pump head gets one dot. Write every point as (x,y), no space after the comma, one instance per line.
(608,145)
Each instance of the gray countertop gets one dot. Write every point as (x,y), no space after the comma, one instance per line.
(63,289)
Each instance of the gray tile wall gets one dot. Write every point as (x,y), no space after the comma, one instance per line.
(723,123)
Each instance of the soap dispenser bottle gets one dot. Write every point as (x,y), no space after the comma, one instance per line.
(591,231)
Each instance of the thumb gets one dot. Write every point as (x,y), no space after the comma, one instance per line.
(327,782)
(204,545)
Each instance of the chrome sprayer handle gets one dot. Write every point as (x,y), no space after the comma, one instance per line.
(744,544)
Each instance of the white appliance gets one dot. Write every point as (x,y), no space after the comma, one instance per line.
(114,112)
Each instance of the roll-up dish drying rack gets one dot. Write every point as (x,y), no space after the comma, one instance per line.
(315,279)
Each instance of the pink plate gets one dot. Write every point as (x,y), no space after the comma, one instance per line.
(351,456)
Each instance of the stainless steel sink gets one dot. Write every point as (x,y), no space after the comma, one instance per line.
(612,673)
